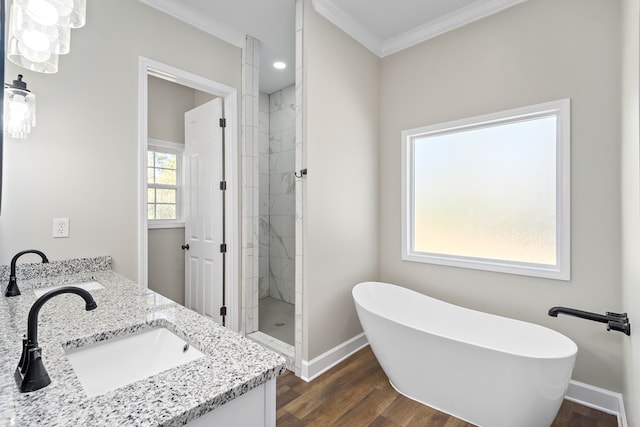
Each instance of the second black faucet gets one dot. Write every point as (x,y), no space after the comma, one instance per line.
(12,288)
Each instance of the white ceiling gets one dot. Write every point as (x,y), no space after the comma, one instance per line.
(383,26)
(270,21)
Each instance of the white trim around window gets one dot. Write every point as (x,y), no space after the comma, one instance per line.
(162,146)
(435,161)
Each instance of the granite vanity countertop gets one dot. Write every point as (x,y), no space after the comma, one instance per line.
(232,364)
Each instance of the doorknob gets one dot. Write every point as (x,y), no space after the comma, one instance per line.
(185,247)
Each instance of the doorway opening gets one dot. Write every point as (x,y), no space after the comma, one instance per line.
(269,150)
(176,235)
(273,188)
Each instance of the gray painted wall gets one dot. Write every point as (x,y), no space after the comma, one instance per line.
(341,194)
(166,263)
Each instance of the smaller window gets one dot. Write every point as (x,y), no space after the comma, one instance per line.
(164,161)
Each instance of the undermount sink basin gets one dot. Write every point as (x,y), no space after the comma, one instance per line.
(87,286)
(114,363)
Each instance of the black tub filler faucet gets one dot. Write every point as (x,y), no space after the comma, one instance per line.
(615,321)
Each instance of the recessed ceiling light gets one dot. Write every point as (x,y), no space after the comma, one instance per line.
(279,65)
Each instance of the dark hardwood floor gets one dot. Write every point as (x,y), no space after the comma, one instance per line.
(357,393)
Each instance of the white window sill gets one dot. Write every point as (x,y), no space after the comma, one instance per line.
(154,224)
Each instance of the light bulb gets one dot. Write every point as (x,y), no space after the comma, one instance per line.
(35,40)
(42,12)
(32,55)
(18,110)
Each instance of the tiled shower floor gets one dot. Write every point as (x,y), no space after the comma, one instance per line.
(276,318)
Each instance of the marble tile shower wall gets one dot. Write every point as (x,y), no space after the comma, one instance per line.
(263,165)
(277,195)
(250,184)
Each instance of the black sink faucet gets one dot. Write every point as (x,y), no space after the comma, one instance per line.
(12,288)
(31,374)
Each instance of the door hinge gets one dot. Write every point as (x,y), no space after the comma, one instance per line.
(223,248)
(223,311)
(223,185)
(223,122)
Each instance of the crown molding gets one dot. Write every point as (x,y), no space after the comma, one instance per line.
(449,22)
(213,27)
(346,23)
(459,18)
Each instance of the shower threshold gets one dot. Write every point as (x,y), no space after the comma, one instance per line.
(276,345)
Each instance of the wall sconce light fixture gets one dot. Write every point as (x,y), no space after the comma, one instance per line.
(40,31)
(19,109)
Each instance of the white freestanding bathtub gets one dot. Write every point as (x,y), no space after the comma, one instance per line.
(488,370)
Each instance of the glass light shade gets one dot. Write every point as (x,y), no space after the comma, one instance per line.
(41,11)
(62,46)
(74,10)
(42,62)
(78,16)
(30,43)
(19,112)
(63,7)
(40,30)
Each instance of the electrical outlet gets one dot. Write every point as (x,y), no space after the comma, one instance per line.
(60,227)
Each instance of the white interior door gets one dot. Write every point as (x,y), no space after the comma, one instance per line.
(203,209)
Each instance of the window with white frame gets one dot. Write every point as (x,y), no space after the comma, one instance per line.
(490,192)
(164,162)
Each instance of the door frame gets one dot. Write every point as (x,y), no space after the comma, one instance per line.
(229,95)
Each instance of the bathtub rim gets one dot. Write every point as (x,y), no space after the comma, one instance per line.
(569,354)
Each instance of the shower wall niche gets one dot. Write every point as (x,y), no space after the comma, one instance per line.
(277,134)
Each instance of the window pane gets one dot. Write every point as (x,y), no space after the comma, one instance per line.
(165,176)
(162,171)
(165,211)
(488,192)
(165,160)
(165,195)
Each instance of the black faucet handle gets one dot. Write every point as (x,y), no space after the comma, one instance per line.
(621,316)
(22,364)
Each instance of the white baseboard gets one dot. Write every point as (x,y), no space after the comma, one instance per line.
(327,360)
(597,398)
(585,394)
